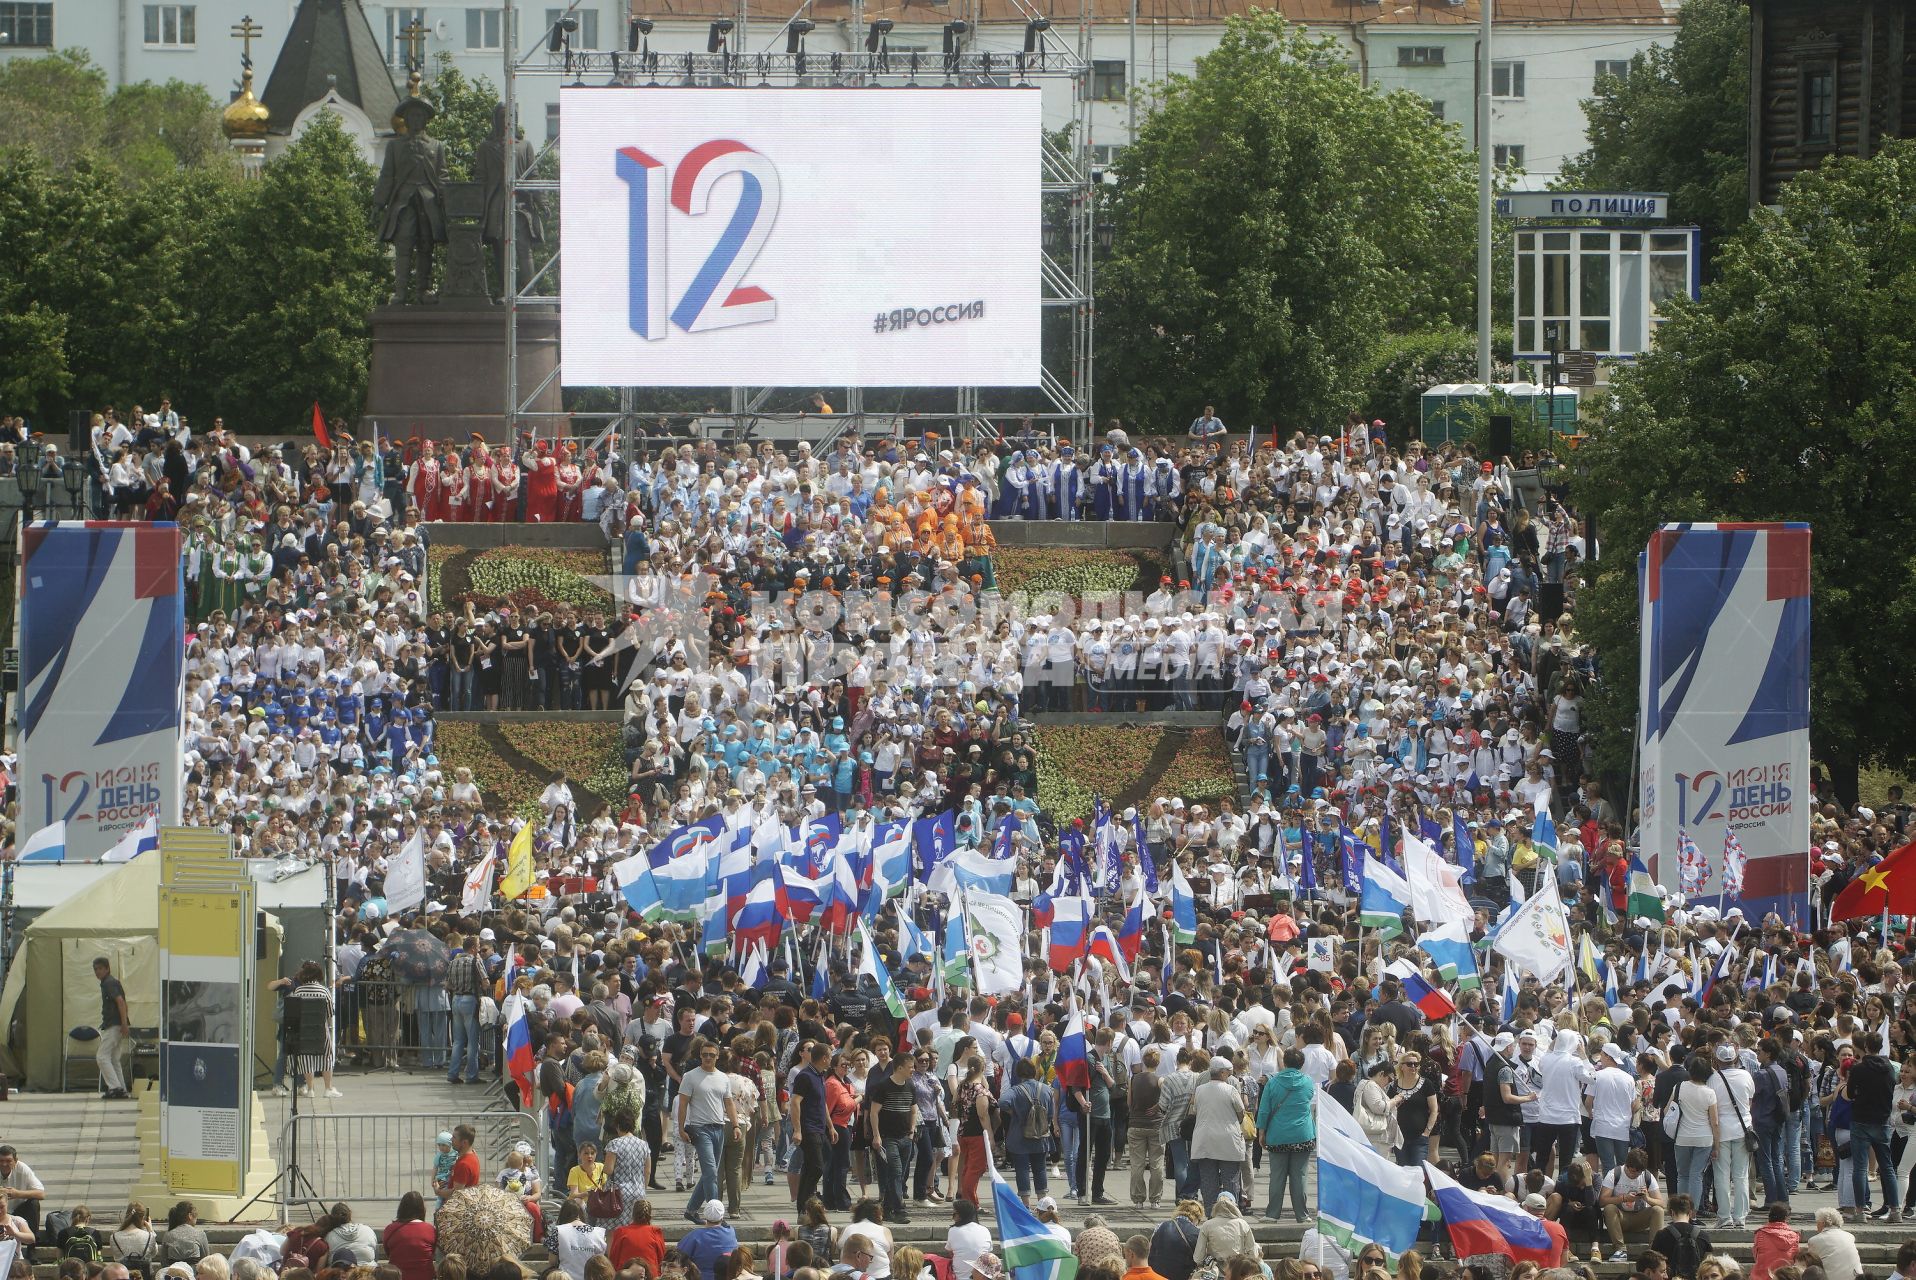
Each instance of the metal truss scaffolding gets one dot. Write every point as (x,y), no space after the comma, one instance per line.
(1064,403)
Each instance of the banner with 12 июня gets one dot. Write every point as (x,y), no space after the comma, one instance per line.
(1724,709)
(102,654)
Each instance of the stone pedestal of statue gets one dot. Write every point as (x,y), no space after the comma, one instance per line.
(439,371)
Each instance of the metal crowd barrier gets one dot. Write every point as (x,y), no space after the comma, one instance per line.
(380,1156)
(400,1025)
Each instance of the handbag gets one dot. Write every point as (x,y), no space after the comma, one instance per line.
(1749,1133)
(605,1203)
(1673,1112)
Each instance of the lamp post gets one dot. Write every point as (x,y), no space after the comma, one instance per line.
(1484,169)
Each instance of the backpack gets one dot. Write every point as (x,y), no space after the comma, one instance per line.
(83,1246)
(1799,1069)
(1685,1252)
(54,1225)
(1037,1121)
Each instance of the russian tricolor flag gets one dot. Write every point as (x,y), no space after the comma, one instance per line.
(1131,932)
(1044,909)
(519,1063)
(798,895)
(841,896)
(1070,935)
(758,922)
(1433,1003)
(1104,945)
(1482,1223)
(1073,1065)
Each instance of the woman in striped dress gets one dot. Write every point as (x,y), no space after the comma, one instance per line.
(312,986)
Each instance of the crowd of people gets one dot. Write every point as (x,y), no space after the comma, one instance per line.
(1387,631)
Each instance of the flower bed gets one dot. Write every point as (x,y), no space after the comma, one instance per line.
(1128,765)
(1069,571)
(524,577)
(511,763)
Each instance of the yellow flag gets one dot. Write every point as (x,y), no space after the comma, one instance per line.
(518,877)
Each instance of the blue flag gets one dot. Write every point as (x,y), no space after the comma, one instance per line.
(1307,876)
(1351,853)
(932,841)
(1146,863)
(1463,847)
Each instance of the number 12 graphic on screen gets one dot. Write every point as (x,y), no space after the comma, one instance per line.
(715,299)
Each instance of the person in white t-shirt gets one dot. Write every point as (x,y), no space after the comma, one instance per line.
(1613,1093)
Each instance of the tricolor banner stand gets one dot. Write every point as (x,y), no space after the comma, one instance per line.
(1724,711)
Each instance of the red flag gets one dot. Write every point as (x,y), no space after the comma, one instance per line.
(319,428)
(1890,886)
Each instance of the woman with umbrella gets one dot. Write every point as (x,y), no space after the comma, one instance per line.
(312,986)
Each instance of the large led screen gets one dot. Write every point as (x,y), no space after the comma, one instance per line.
(799,237)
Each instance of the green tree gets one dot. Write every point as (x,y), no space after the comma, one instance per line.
(1679,122)
(58,107)
(1273,220)
(1786,392)
(304,271)
(154,131)
(53,105)
(465,114)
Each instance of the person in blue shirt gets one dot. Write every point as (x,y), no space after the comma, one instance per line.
(709,1242)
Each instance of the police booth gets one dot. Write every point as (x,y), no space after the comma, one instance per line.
(1594,275)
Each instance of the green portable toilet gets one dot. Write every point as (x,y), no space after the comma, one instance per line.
(1441,417)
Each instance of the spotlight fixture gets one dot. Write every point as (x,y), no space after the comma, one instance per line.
(1032,30)
(875,36)
(795,32)
(635,33)
(953,29)
(556,39)
(716,38)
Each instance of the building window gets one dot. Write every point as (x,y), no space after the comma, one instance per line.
(1613,68)
(552,122)
(1506,79)
(1507,155)
(1105,154)
(1436,106)
(397,20)
(1819,103)
(587,36)
(1420,55)
(26,24)
(485,30)
(1107,80)
(169,26)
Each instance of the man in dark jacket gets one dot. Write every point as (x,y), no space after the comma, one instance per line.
(1872,1083)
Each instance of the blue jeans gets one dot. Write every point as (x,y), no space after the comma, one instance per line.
(1611,1151)
(460,698)
(708,1143)
(893,1171)
(465,1037)
(1876,1138)
(1793,1126)
(1030,1167)
(1691,1161)
(1771,1164)
(1072,1144)
(1178,1152)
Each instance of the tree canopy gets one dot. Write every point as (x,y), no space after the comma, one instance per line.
(1274,220)
(1786,392)
(1679,122)
(58,107)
